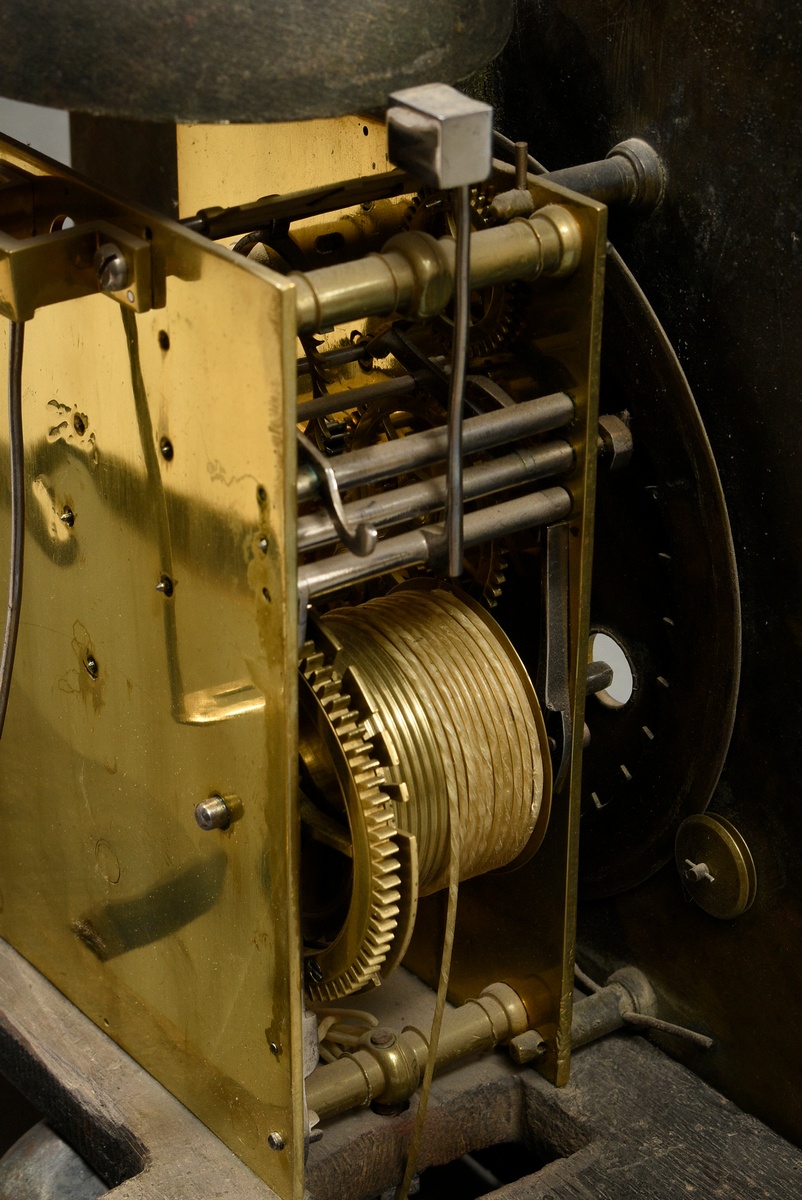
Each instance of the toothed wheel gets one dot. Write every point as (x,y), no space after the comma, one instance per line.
(349,874)
(495,311)
(433,211)
(487,569)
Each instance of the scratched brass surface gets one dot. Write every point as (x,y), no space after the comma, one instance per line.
(229,164)
(520,927)
(182,945)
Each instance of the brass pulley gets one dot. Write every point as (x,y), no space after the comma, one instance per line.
(408,703)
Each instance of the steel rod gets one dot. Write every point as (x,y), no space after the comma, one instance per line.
(16,446)
(334,358)
(632,175)
(375,463)
(334,402)
(219,223)
(404,504)
(428,544)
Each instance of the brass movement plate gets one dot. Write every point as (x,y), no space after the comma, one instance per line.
(169,435)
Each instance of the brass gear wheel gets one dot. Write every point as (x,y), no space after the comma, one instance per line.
(494,309)
(487,571)
(350,866)
(432,212)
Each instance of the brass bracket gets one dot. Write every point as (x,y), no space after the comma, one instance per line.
(52,267)
(56,235)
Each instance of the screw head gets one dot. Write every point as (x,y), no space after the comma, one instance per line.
(213,813)
(275,1140)
(384,1038)
(111,268)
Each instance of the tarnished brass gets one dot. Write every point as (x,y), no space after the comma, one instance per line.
(391,1073)
(414,274)
(716,866)
(181,943)
(390,1067)
(527,1047)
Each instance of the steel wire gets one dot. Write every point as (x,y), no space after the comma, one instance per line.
(16,450)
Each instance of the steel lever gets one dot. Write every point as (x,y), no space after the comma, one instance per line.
(553,677)
(360,539)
